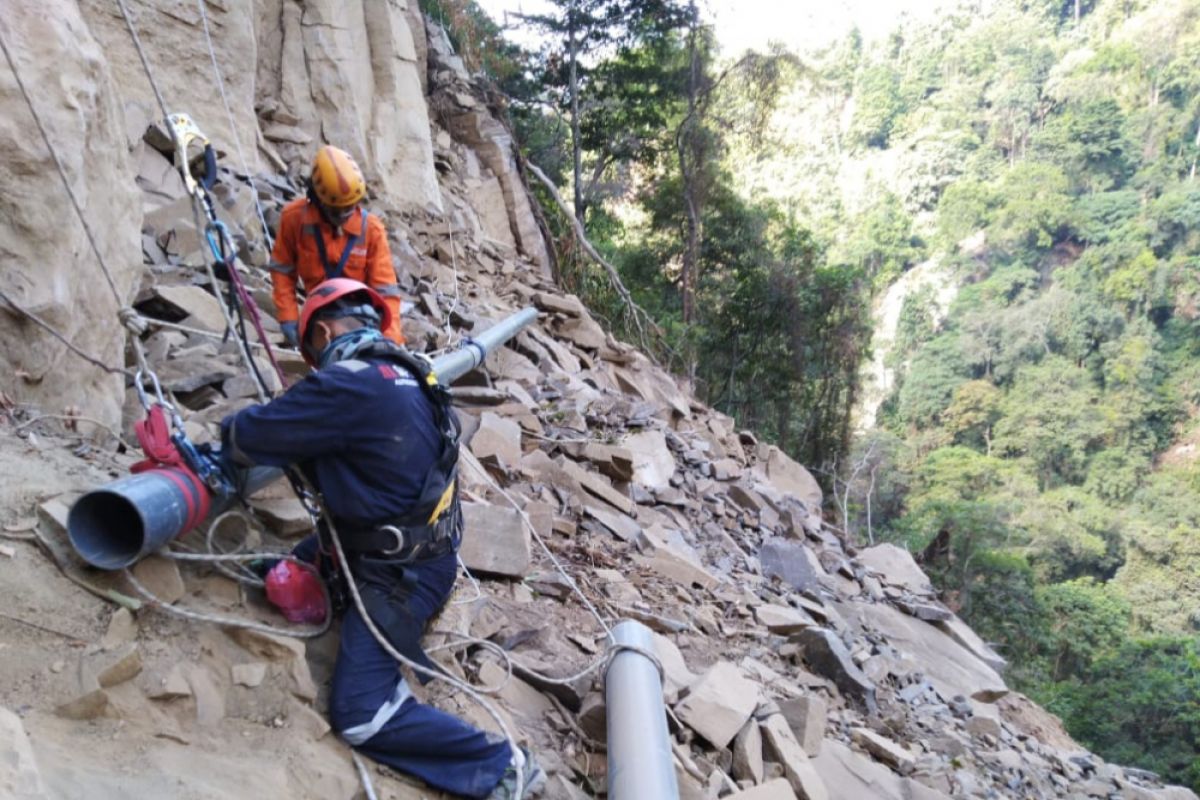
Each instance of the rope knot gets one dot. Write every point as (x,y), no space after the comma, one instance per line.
(134,322)
(616,648)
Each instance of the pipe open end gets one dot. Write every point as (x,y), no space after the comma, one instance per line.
(106,529)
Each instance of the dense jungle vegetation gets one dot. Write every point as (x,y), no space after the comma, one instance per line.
(1037,444)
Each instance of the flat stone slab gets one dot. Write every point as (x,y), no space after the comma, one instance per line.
(719,704)
(495,541)
(792,562)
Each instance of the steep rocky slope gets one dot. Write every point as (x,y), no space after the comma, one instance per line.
(795,666)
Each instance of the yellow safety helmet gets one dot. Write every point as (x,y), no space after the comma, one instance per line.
(336,179)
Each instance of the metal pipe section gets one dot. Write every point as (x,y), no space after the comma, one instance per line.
(118,524)
(471,353)
(640,763)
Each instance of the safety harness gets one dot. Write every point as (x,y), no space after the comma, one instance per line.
(332,271)
(433,527)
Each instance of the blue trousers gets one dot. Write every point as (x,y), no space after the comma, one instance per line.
(371,706)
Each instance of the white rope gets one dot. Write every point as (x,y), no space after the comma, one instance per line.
(197,202)
(466,688)
(363,775)
(454,264)
(237,141)
(232,622)
(545,548)
(474,583)
(137,43)
(510,661)
(247,359)
(220,560)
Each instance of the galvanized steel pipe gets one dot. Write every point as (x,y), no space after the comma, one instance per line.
(471,353)
(118,524)
(640,763)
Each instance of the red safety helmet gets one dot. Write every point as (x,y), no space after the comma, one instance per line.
(328,293)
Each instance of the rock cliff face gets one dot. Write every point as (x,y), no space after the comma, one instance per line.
(879,377)
(48,266)
(295,75)
(795,665)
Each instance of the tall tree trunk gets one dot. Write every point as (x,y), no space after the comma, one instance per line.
(688,165)
(576,142)
(1076,12)
(870,493)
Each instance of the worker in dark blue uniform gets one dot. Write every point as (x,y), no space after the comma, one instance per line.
(379,441)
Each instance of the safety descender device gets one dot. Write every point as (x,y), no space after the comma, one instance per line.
(185,132)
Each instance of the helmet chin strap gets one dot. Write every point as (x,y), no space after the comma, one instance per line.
(347,345)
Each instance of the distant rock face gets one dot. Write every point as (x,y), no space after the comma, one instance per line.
(295,75)
(349,73)
(879,378)
(48,266)
(346,73)
(471,123)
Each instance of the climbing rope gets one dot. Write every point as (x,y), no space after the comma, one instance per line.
(57,334)
(466,688)
(237,140)
(454,264)
(66,182)
(183,132)
(137,43)
(545,548)
(474,583)
(599,664)
(233,622)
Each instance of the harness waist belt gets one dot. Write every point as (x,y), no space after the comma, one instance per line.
(404,542)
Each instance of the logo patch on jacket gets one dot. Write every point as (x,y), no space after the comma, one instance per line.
(397,376)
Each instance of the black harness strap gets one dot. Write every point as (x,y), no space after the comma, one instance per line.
(336,272)
(444,470)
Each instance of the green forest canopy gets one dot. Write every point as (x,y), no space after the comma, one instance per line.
(1038,448)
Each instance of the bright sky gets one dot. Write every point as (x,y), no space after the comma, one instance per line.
(800,24)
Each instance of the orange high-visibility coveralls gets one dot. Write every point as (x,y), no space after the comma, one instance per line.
(298,254)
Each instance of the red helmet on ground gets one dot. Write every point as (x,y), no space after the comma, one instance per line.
(336,296)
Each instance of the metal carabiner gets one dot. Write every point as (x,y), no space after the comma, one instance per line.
(139,379)
(141,391)
(396,532)
(166,405)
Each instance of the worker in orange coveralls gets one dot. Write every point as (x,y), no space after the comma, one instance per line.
(329,235)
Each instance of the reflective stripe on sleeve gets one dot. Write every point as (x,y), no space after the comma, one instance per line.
(359,734)
(283,269)
(388,290)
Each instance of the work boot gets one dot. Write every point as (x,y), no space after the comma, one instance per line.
(533,776)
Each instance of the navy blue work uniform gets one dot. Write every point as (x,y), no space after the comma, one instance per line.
(364,432)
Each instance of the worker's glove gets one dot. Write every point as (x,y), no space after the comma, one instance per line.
(291,332)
